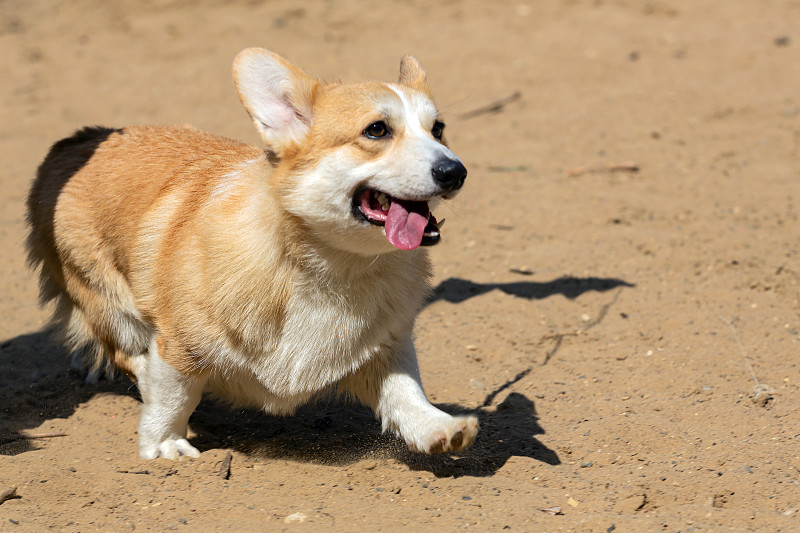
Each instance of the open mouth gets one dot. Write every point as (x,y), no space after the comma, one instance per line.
(408,223)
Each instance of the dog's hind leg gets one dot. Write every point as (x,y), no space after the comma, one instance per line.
(391,386)
(169,398)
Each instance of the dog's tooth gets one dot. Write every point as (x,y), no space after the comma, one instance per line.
(383,200)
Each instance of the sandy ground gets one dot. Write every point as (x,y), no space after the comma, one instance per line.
(617,289)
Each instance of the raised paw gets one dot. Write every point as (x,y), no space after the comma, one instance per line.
(452,435)
(172,449)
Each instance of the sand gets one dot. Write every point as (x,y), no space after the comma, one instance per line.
(617,289)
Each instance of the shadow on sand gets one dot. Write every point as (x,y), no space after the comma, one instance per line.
(37,386)
(340,434)
(457,290)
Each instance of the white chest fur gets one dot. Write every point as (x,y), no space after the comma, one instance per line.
(328,331)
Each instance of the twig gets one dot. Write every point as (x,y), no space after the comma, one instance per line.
(8,494)
(491,396)
(225,467)
(762,393)
(43,435)
(610,167)
(515,168)
(559,337)
(556,345)
(741,347)
(494,107)
(603,312)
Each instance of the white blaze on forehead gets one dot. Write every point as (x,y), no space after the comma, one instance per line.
(419,114)
(416,105)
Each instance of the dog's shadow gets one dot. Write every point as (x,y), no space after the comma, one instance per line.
(339,434)
(457,290)
(37,386)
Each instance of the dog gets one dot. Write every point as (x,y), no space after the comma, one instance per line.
(267,277)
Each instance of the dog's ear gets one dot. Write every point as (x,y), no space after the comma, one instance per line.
(413,75)
(278,96)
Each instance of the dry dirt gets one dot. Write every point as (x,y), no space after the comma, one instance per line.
(618,277)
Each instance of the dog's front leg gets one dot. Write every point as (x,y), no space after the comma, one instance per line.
(391,385)
(169,398)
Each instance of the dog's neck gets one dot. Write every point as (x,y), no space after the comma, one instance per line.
(320,259)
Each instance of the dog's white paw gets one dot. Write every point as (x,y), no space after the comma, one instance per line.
(169,449)
(453,434)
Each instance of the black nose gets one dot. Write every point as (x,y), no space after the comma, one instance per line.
(449,174)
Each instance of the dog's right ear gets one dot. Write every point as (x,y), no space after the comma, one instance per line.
(278,96)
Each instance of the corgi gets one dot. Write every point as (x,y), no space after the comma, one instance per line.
(264,276)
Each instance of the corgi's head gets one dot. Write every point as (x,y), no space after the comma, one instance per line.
(361,165)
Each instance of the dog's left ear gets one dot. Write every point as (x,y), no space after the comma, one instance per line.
(278,96)
(413,75)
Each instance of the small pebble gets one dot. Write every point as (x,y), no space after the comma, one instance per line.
(573,502)
(476,384)
(783,40)
(8,494)
(297,517)
(553,511)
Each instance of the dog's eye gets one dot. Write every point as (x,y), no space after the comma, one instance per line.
(437,130)
(376,130)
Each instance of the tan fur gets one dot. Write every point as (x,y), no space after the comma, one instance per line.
(412,75)
(106,239)
(170,243)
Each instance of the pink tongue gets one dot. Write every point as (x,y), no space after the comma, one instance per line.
(405,223)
